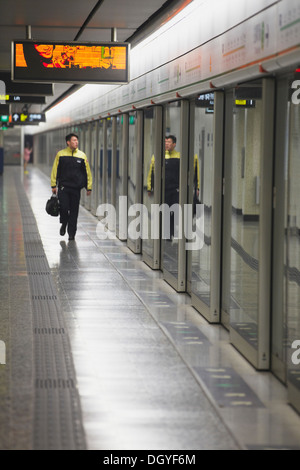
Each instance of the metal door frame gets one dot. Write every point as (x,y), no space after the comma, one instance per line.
(260,357)
(95,148)
(88,143)
(279,310)
(104,167)
(227,210)
(212,312)
(108,182)
(189,268)
(291,369)
(82,140)
(113,166)
(121,211)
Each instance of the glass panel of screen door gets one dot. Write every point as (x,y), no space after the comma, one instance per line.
(101,159)
(81,135)
(280,231)
(175,177)
(251,200)
(227,211)
(121,173)
(152,184)
(135,149)
(88,149)
(113,170)
(293,260)
(109,161)
(203,193)
(94,166)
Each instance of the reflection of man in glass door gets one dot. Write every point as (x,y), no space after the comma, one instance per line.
(172,165)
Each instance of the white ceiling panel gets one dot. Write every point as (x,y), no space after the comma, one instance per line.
(126,14)
(46,13)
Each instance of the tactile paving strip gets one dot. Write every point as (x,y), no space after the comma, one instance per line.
(57,412)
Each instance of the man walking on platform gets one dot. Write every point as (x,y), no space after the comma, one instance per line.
(70,173)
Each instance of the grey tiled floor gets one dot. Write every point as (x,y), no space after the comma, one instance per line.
(146,361)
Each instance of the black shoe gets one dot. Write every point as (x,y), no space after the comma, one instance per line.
(71,238)
(63,229)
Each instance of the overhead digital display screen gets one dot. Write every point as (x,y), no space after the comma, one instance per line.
(70,62)
(205,100)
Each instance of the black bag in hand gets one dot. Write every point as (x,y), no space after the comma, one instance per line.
(52,206)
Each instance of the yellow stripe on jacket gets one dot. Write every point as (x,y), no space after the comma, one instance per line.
(71,169)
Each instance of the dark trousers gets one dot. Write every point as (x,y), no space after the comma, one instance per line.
(69,199)
(171,197)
